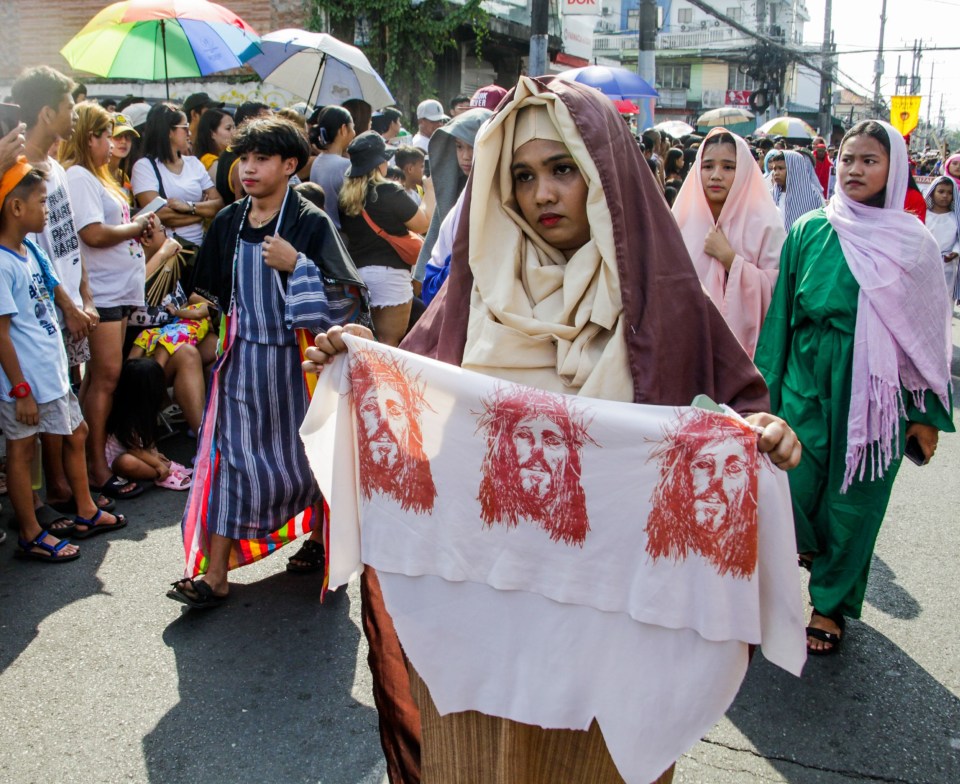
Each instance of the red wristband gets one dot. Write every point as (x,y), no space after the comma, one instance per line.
(21,390)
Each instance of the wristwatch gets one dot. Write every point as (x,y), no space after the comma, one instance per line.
(193,207)
(21,390)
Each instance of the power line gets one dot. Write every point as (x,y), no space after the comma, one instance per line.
(796,54)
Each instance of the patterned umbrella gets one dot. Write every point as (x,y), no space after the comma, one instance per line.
(788,127)
(319,68)
(725,115)
(162,39)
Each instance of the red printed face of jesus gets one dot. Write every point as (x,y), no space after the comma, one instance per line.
(706,499)
(389,405)
(531,469)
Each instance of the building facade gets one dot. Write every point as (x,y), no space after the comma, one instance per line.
(703,62)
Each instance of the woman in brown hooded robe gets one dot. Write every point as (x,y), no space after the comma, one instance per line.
(570,275)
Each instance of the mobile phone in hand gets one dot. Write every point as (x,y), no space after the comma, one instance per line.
(154,206)
(913,452)
(9,117)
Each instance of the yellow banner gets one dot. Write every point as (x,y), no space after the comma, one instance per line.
(904,112)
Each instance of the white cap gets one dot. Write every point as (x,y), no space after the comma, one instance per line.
(136,113)
(431,110)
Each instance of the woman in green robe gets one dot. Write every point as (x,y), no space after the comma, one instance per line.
(846,332)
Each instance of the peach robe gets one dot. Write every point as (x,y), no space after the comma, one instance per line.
(753,227)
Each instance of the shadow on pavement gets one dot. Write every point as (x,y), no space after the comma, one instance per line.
(867,713)
(265,692)
(884,593)
(31,591)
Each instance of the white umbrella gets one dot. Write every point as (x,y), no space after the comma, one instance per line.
(319,68)
(725,115)
(676,128)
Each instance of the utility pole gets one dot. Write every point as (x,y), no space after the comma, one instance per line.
(647,57)
(930,101)
(539,20)
(878,67)
(826,121)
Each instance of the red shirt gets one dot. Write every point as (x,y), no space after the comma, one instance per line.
(916,204)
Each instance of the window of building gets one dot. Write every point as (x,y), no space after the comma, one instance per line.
(735,13)
(737,80)
(673,77)
(684,15)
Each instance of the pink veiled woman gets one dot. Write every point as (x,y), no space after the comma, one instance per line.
(733,232)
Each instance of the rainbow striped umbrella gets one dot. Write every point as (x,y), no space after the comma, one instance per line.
(162,39)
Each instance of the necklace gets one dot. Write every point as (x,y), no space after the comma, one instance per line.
(265,221)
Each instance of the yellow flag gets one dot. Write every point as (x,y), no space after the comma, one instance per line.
(904,112)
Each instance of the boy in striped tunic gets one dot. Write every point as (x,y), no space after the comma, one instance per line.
(274,265)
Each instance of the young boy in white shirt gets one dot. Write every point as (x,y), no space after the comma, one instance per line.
(35,394)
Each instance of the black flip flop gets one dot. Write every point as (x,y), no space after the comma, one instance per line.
(204,599)
(119,488)
(824,636)
(70,506)
(94,528)
(47,516)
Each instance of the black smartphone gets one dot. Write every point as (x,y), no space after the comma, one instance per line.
(9,117)
(426,166)
(913,452)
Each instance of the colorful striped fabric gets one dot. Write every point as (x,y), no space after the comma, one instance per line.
(195,540)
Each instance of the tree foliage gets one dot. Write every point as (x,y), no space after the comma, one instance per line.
(404,39)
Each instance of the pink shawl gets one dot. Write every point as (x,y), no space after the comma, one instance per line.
(946,167)
(902,336)
(754,228)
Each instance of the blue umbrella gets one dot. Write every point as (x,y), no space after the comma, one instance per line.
(618,84)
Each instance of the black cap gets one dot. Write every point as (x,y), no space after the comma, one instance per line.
(367,152)
(199,101)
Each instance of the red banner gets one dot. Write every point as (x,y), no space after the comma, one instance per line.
(738,97)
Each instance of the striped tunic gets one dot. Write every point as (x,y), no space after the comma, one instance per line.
(262,478)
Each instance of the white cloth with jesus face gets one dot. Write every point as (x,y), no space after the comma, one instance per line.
(553,559)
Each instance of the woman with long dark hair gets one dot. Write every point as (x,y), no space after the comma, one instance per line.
(858,363)
(214,133)
(331,135)
(167,169)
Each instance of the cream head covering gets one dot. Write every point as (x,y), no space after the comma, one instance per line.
(535,317)
(534,122)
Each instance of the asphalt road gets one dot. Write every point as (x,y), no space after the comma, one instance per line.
(103,680)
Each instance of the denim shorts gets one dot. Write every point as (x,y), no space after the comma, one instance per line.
(115,313)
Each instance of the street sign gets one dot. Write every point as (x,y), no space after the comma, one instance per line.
(581,7)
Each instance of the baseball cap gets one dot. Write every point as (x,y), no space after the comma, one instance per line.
(137,113)
(431,110)
(367,151)
(488,97)
(199,101)
(122,124)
